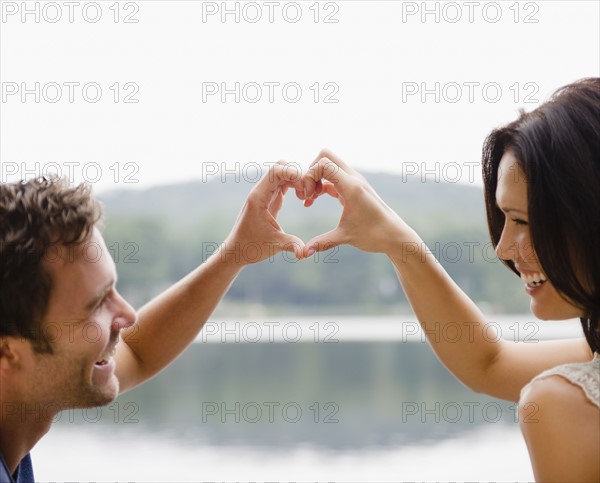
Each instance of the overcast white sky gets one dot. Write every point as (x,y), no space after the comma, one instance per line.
(375,58)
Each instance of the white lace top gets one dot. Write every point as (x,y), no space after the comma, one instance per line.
(586,375)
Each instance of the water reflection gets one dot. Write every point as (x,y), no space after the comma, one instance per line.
(341,396)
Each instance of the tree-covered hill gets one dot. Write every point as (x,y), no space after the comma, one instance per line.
(159,234)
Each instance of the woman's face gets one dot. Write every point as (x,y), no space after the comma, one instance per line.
(515,244)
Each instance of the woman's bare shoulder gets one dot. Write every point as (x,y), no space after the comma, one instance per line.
(561,427)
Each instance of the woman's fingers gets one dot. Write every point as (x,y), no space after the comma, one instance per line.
(324,169)
(324,242)
(327,188)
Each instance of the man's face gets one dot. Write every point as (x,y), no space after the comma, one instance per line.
(83,321)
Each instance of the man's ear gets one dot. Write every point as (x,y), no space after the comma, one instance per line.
(12,351)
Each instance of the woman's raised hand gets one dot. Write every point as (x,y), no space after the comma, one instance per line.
(367,223)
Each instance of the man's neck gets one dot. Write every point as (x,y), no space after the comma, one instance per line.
(19,433)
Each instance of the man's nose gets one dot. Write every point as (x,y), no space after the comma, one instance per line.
(127,315)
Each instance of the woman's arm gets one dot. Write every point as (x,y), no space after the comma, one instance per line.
(495,367)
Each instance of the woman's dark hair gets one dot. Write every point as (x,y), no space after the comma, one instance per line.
(557,146)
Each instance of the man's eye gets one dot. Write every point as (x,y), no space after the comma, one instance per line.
(519,222)
(101,303)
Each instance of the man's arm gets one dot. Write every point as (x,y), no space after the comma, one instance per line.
(171,321)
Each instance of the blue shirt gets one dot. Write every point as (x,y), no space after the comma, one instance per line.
(23,474)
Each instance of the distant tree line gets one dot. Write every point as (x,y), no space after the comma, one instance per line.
(159,235)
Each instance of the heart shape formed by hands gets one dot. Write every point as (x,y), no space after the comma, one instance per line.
(320,179)
(292,218)
(366,222)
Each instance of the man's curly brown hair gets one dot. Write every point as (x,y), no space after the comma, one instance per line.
(34,216)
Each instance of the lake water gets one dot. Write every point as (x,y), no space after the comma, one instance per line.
(320,399)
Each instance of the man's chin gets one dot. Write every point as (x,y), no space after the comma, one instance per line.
(91,399)
(96,398)
(96,395)
(107,393)
(104,382)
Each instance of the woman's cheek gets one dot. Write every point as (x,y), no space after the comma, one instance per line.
(526,251)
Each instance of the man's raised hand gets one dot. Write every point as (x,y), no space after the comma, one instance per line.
(256,234)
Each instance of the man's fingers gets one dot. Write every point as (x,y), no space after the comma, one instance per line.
(293,244)
(282,173)
(290,173)
(326,167)
(277,202)
(278,176)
